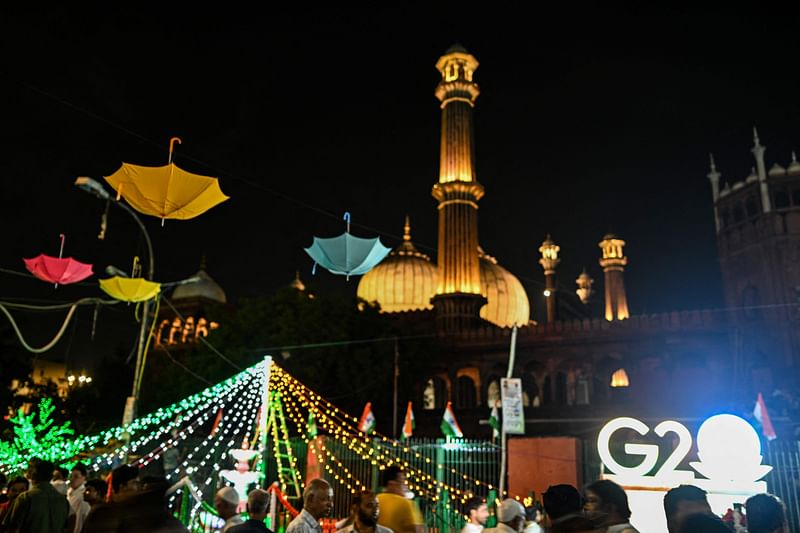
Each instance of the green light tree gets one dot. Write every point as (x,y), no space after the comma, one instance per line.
(37,435)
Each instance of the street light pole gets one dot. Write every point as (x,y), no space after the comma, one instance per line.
(132,403)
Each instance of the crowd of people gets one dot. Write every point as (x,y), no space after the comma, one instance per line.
(50,499)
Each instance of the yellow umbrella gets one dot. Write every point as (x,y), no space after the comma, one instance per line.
(168,191)
(130,289)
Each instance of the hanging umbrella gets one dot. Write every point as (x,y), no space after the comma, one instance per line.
(347,255)
(63,270)
(130,289)
(168,191)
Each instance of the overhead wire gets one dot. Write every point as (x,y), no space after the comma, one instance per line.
(50,344)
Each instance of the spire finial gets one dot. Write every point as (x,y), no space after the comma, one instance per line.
(794,157)
(407,230)
(203,262)
(756,141)
(711,158)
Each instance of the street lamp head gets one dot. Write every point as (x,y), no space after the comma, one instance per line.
(111,270)
(93,187)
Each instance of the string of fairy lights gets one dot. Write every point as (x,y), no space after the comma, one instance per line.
(237,418)
(378,449)
(213,402)
(237,404)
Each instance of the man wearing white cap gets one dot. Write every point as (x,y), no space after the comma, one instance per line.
(226,502)
(510,517)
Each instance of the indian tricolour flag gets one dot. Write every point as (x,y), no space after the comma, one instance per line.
(367,421)
(761,414)
(409,424)
(494,422)
(449,424)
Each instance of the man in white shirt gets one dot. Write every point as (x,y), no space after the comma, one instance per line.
(317,504)
(226,502)
(75,489)
(478,513)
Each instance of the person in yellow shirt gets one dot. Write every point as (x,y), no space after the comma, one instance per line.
(398,513)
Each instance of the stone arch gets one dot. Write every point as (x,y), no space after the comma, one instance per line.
(493,390)
(473,374)
(533,376)
(436,392)
(466,398)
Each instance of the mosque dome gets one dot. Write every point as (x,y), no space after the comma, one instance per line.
(404,281)
(507,302)
(205,288)
(794,166)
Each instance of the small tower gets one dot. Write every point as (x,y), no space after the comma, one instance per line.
(458,297)
(713,176)
(613,262)
(758,154)
(584,290)
(549,262)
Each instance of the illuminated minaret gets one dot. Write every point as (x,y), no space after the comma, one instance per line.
(549,262)
(613,263)
(458,293)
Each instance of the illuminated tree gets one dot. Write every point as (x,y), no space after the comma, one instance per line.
(37,435)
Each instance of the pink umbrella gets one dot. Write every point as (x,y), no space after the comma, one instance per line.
(57,270)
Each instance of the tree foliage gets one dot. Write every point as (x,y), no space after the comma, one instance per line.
(37,435)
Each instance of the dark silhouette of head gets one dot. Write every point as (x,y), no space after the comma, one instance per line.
(682,502)
(561,500)
(765,514)
(125,479)
(606,503)
(95,492)
(257,504)
(40,471)
(16,486)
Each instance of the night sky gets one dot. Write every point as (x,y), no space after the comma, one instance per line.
(589,121)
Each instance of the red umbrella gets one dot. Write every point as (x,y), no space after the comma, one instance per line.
(57,269)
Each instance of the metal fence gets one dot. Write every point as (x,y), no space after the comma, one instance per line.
(441,473)
(784,480)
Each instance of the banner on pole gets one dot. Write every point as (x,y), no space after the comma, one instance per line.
(513,415)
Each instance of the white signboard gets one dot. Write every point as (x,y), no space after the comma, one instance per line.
(511,396)
(729,465)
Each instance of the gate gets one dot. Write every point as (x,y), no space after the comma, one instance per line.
(784,480)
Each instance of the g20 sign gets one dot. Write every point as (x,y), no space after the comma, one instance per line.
(728,449)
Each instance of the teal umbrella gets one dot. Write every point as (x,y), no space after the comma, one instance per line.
(347,255)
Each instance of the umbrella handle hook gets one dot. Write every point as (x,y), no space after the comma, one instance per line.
(347,218)
(136,267)
(61,250)
(314,269)
(172,141)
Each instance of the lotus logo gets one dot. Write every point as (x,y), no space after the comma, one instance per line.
(729,450)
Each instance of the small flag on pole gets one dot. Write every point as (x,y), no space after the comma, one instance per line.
(494,421)
(449,424)
(367,421)
(409,424)
(761,414)
(311,426)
